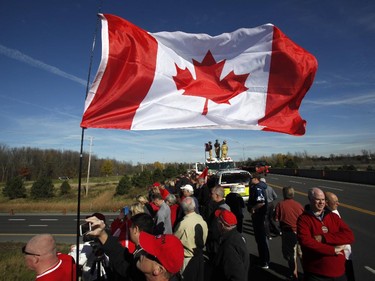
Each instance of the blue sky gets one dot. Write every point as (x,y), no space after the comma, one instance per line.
(45,53)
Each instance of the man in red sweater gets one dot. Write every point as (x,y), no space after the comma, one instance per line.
(322,236)
(287,213)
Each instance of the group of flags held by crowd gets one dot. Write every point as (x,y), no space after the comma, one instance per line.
(252,79)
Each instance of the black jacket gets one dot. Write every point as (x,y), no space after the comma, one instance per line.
(232,260)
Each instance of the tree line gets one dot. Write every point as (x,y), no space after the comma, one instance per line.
(33,163)
(40,166)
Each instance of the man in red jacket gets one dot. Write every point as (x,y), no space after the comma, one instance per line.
(322,236)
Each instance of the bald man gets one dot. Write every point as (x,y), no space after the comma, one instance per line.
(41,257)
(332,203)
(322,236)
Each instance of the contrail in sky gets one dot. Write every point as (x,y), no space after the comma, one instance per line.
(364,99)
(17,55)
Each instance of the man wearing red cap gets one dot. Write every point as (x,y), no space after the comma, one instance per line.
(162,190)
(232,260)
(162,258)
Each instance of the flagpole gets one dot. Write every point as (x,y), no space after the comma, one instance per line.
(79,203)
(81,150)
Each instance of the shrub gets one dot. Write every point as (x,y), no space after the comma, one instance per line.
(142,179)
(65,188)
(42,188)
(157,175)
(15,188)
(123,186)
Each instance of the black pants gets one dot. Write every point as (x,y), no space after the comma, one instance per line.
(288,248)
(315,277)
(261,237)
(271,225)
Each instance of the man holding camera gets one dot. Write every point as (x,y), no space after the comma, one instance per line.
(123,263)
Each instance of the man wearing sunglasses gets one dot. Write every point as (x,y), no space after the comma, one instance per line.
(41,257)
(162,257)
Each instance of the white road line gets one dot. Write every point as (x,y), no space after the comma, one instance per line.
(38,225)
(299,182)
(16,219)
(339,189)
(370,269)
(49,219)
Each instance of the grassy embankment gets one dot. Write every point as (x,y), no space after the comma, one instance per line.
(100,198)
(12,265)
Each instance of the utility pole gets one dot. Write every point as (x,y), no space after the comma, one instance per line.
(141,161)
(88,168)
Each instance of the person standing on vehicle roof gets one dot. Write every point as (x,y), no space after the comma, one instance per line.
(217,149)
(224,150)
(208,147)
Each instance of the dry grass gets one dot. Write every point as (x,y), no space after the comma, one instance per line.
(101,198)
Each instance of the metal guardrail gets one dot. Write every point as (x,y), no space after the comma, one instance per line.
(363,177)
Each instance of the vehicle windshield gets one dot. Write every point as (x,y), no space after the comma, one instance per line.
(220,166)
(200,167)
(243,178)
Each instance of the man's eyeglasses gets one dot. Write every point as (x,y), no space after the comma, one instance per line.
(28,253)
(150,257)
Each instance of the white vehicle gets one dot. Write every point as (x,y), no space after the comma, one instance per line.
(214,165)
(239,178)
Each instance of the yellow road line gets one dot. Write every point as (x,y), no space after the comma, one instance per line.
(341,204)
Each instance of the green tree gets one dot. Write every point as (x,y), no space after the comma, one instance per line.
(142,179)
(107,168)
(14,188)
(42,188)
(170,172)
(181,169)
(124,185)
(157,175)
(289,163)
(65,188)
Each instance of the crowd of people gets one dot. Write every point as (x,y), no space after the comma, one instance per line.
(189,230)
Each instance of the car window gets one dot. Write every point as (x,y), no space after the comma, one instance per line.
(228,178)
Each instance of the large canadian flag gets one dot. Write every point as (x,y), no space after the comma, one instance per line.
(252,78)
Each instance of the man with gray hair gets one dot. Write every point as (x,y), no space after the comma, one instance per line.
(163,223)
(332,203)
(192,232)
(322,236)
(41,257)
(287,213)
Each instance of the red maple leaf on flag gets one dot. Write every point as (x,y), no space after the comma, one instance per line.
(208,84)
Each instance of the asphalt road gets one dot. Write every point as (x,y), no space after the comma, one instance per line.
(357,209)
